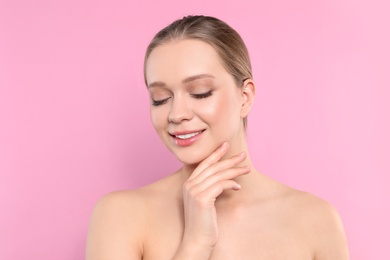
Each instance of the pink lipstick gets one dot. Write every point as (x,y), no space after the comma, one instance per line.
(186,138)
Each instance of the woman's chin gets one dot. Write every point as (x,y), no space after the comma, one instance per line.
(190,161)
(195,153)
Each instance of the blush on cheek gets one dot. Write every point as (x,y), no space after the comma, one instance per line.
(219,113)
(210,109)
(226,105)
(228,112)
(156,119)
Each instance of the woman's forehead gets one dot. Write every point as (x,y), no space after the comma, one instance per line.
(181,59)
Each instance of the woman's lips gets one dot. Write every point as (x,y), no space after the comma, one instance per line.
(186,138)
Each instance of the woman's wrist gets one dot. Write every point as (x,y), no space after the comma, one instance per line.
(193,251)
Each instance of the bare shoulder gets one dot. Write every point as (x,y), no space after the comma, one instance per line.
(322,225)
(115,228)
(119,221)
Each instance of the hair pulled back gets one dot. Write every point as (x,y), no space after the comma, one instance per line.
(226,41)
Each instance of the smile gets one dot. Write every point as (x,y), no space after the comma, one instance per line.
(186,136)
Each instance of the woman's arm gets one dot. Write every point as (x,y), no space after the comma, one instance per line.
(330,238)
(114,231)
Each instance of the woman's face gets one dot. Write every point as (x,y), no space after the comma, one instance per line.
(195,104)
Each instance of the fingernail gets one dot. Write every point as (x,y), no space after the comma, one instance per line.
(242,154)
(224,145)
(237,186)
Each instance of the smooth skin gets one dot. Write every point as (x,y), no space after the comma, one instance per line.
(217,206)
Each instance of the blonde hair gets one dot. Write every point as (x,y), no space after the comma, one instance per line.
(225,40)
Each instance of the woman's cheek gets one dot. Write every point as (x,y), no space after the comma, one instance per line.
(209,109)
(157,117)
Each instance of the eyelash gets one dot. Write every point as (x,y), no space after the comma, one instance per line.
(159,102)
(202,95)
(197,96)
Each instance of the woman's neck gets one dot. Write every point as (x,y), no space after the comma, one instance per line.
(249,182)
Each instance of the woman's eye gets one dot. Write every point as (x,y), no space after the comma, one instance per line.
(203,95)
(159,102)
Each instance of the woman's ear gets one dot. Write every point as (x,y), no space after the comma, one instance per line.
(248,92)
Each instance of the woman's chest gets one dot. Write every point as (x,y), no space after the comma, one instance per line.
(243,236)
(261,242)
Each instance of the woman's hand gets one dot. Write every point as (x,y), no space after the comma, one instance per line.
(200,192)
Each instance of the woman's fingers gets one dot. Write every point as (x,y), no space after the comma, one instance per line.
(221,176)
(206,183)
(218,167)
(206,198)
(210,160)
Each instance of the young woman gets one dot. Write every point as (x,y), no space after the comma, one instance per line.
(217,206)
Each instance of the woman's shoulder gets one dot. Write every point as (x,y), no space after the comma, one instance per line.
(120,218)
(312,209)
(303,203)
(115,215)
(319,221)
(303,206)
(139,198)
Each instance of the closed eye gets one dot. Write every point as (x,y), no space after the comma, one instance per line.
(202,95)
(159,102)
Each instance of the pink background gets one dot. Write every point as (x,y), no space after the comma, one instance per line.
(74,116)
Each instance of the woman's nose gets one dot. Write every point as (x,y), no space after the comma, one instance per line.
(180,111)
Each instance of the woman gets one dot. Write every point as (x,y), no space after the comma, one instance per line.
(217,206)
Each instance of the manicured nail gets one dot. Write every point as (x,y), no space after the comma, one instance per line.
(242,154)
(237,186)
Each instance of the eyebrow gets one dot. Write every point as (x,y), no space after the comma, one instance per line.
(184,81)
